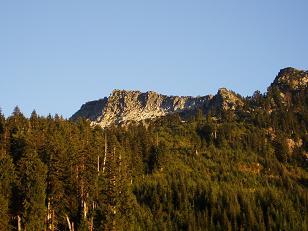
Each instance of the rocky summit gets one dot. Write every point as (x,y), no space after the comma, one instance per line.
(123,106)
(291,79)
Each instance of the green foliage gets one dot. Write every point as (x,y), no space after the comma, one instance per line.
(32,186)
(228,171)
(7,178)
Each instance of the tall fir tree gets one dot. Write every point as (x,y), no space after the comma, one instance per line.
(32,174)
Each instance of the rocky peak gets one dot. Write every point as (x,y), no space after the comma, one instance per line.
(91,110)
(124,106)
(227,100)
(291,79)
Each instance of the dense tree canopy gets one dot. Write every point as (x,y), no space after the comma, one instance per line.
(239,170)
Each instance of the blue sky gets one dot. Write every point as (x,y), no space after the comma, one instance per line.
(56,55)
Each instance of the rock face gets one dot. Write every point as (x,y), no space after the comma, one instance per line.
(288,82)
(291,79)
(227,100)
(91,110)
(124,106)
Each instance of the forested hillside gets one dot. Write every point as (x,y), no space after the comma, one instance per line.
(241,169)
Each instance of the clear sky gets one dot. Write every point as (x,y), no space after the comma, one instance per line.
(55,55)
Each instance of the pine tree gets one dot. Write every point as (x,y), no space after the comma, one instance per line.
(32,186)
(7,178)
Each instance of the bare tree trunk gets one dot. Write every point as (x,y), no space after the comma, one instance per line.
(91,225)
(85,210)
(53,220)
(98,163)
(105,156)
(50,216)
(70,225)
(84,196)
(18,223)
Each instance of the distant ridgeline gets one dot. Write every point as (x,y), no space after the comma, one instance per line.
(125,107)
(145,161)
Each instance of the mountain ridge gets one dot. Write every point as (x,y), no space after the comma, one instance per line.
(126,106)
(129,105)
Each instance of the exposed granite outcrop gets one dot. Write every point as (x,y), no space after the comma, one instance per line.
(91,110)
(123,106)
(227,100)
(291,79)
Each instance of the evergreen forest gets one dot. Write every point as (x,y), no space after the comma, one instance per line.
(242,169)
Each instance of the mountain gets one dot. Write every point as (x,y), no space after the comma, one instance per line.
(291,79)
(124,107)
(289,85)
(220,162)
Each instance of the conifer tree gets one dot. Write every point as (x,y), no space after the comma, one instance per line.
(7,178)
(32,187)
